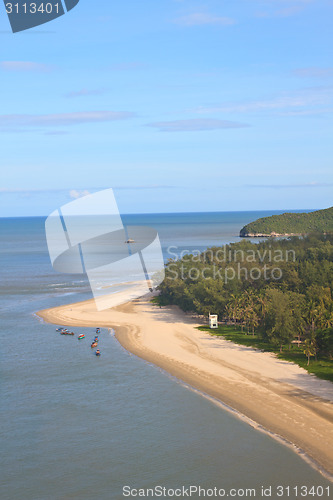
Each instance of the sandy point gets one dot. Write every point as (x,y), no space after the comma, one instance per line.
(277,396)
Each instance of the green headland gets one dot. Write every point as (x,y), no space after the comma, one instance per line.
(291,224)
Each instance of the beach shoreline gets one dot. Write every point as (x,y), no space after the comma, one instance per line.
(274,396)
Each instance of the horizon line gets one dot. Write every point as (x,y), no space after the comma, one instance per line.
(182,213)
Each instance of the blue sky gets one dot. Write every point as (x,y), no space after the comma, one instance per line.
(179,105)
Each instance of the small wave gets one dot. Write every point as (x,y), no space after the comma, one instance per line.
(39,319)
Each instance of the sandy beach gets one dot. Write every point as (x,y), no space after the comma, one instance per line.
(273,395)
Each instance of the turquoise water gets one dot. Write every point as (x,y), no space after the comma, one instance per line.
(74,426)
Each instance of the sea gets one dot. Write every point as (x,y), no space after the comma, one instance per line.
(74,426)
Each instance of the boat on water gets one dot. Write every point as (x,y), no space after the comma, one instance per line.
(98,353)
(94,344)
(66,332)
(80,337)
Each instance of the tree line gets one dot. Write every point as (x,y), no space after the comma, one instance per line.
(292,223)
(294,305)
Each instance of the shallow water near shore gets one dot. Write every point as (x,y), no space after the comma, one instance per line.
(75,426)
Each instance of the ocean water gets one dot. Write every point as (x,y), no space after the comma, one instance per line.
(74,426)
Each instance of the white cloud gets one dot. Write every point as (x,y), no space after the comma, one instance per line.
(311,98)
(85,92)
(74,193)
(24,192)
(288,11)
(287,7)
(314,72)
(195,125)
(78,193)
(127,66)
(56,132)
(201,18)
(308,112)
(292,186)
(11,122)
(24,66)
(290,2)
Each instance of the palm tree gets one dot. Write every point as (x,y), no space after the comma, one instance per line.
(262,306)
(311,315)
(253,319)
(310,348)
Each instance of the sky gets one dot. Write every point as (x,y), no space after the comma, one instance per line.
(178,105)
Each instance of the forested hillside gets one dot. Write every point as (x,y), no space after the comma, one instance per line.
(278,289)
(290,224)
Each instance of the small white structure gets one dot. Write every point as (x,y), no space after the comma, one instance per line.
(213,321)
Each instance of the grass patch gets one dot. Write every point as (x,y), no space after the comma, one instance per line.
(156,301)
(322,368)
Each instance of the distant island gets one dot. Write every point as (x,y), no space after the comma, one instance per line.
(290,224)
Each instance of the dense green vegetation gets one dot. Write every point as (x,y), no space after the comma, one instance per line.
(291,223)
(276,295)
